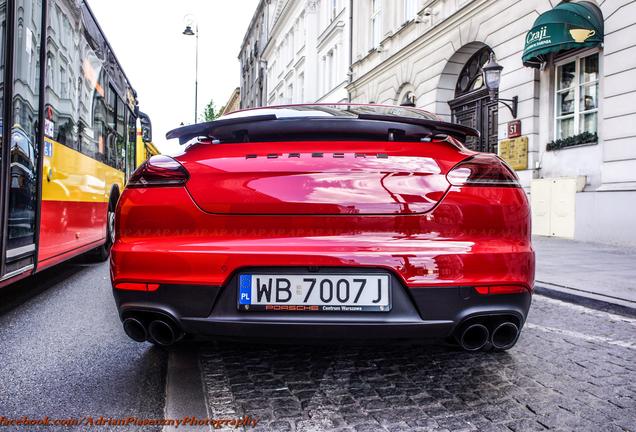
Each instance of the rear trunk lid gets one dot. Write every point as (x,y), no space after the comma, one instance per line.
(319,178)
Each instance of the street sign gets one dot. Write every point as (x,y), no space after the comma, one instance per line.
(515,152)
(49,128)
(514,129)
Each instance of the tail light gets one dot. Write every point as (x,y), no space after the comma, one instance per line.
(483,170)
(159,170)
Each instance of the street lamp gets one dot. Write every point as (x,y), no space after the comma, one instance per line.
(492,78)
(189,32)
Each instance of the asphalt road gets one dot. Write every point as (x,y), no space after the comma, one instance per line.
(64,355)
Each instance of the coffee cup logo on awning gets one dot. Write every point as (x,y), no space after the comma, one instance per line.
(581,35)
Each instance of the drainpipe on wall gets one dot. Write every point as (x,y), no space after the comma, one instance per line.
(350,47)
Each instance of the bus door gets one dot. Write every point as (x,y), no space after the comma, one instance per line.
(21,134)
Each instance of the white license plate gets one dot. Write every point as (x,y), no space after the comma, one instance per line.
(314,293)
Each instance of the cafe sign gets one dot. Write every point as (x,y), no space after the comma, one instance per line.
(567,26)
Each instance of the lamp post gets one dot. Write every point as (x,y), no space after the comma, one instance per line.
(189,32)
(492,78)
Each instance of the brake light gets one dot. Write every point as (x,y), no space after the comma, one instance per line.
(483,170)
(159,170)
(500,289)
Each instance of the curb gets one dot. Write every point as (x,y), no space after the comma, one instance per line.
(592,303)
(184,387)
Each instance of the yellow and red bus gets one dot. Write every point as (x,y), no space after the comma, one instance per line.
(71,134)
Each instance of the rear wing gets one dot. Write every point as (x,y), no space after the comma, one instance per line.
(363,126)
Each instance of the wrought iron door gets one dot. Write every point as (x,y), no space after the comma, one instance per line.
(479,113)
(472,105)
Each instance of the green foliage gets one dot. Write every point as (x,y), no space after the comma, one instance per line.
(210,112)
(582,138)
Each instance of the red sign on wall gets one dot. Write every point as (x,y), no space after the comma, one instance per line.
(514,129)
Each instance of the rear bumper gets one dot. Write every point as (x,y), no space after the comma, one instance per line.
(419,313)
(474,237)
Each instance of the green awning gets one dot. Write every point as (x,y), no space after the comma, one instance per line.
(567,26)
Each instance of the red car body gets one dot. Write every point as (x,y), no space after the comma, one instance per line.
(449,227)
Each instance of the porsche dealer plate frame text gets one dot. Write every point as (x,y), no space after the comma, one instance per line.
(314,292)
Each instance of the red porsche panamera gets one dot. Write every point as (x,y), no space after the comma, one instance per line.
(324,221)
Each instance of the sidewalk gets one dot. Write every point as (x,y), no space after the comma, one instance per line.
(586,270)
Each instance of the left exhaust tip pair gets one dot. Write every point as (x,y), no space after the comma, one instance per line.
(160,331)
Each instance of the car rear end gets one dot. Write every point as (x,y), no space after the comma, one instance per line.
(324,222)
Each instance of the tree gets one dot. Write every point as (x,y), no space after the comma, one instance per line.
(210,112)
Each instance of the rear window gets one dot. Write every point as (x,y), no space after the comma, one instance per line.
(323,122)
(334,110)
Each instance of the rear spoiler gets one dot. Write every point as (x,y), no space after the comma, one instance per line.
(455,130)
(186,133)
(365,126)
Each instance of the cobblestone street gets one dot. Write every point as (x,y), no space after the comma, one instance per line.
(573,369)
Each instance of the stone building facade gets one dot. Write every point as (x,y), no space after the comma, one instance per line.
(303,53)
(253,67)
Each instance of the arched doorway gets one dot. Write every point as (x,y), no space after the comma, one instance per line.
(472,105)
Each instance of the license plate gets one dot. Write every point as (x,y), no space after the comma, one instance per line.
(314,293)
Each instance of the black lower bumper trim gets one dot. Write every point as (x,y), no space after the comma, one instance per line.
(417,313)
(318,330)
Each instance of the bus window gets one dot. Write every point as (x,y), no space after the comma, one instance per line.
(146,127)
(144,146)
(99,128)
(24,132)
(131,128)
(121,134)
(3,35)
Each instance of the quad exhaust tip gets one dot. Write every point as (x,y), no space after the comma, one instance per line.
(474,337)
(505,335)
(162,332)
(135,330)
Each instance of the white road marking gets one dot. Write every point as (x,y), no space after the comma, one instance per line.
(588,311)
(583,336)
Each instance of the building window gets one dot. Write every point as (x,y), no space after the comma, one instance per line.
(290,94)
(577,96)
(292,52)
(49,72)
(323,75)
(376,23)
(410,10)
(408,99)
(63,84)
(330,71)
(333,9)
